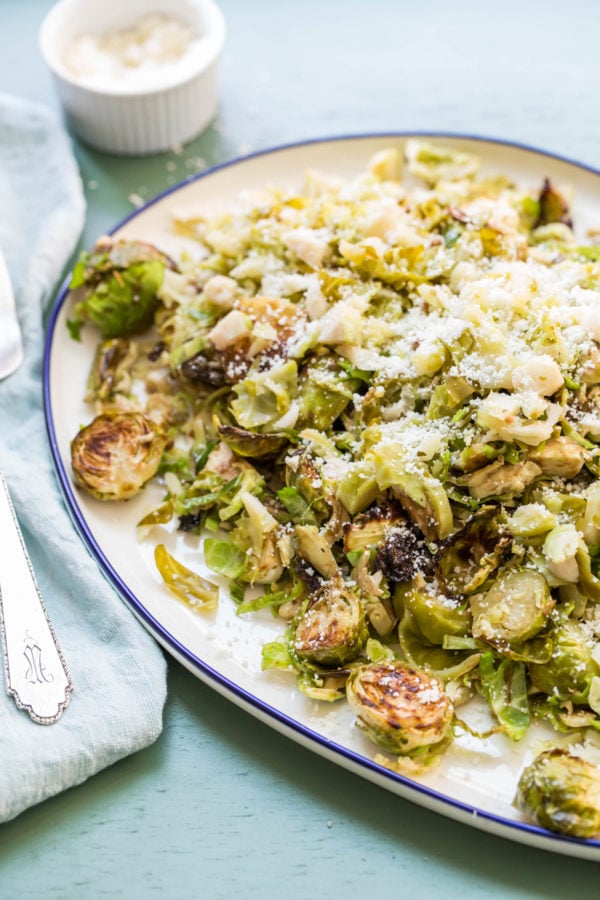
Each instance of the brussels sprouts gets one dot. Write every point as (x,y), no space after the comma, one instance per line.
(264,397)
(514,609)
(370,528)
(250,444)
(109,373)
(561,456)
(358,487)
(403,554)
(207,365)
(301,472)
(264,564)
(501,480)
(115,455)
(434,163)
(188,586)
(560,551)
(435,615)
(315,549)
(561,792)
(465,560)
(422,495)
(332,629)
(117,286)
(569,672)
(589,523)
(552,207)
(324,392)
(531,520)
(400,708)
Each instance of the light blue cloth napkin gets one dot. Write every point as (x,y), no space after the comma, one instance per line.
(118,671)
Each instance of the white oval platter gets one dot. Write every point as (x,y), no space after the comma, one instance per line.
(475,782)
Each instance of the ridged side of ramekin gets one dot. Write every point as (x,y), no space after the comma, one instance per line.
(147,123)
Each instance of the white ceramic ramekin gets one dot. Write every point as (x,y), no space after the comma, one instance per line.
(135,122)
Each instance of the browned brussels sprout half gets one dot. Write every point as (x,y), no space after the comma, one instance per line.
(115,455)
(400,708)
(332,630)
(561,792)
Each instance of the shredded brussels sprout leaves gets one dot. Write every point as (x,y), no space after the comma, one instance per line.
(378,406)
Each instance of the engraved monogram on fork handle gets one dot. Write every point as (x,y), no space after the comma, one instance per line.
(36,673)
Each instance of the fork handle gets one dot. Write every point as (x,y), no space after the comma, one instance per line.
(36,673)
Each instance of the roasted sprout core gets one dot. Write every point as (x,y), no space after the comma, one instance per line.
(115,455)
(399,707)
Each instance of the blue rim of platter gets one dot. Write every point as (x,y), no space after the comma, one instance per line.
(437,801)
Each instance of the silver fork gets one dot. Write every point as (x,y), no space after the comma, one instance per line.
(36,673)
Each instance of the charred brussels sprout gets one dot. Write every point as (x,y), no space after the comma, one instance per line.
(514,609)
(115,455)
(403,554)
(118,286)
(466,559)
(561,792)
(400,708)
(332,629)
(569,672)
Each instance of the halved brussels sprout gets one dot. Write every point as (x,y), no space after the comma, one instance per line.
(568,674)
(561,792)
(514,609)
(115,455)
(422,495)
(332,630)
(435,615)
(465,560)
(118,286)
(109,373)
(251,444)
(370,528)
(400,708)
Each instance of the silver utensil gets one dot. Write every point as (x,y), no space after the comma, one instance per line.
(36,673)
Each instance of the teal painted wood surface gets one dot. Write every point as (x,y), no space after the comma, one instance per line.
(221,806)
